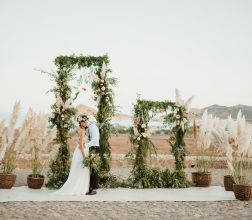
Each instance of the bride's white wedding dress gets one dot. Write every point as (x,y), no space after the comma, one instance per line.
(79,177)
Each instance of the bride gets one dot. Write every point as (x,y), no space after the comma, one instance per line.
(79,176)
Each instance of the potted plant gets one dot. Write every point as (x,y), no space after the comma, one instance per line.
(203,177)
(220,137)
(7,178)
(35,180)
(239,156)
(242,178)
(7,149)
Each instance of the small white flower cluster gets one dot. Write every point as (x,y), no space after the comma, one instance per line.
(182,109)
(103,85)
(141,132)
(180,116)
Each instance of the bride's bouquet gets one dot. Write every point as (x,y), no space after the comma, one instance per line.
(92,161)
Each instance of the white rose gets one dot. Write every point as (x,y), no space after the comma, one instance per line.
(143,126)
(177,116)
(144,135)
(103,88)
(138,138)
(65,126)
(102,81)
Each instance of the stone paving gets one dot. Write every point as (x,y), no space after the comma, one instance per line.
(126,210)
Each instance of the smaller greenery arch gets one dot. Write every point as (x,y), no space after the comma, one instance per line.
(143,175)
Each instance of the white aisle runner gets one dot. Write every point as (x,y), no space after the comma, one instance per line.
(213,193)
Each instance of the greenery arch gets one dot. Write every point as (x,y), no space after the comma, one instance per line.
(63,112)
(143,175)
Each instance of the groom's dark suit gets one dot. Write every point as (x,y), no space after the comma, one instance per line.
(94,147)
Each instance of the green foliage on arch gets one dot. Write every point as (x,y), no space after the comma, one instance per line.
(63,113)
(143,175)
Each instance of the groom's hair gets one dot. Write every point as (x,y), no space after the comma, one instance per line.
(82,118)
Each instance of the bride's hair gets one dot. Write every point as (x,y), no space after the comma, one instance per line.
(82,118)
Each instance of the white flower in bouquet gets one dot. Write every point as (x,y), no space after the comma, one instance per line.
(138,138)
(102,80)
(144,135)
(103,88)
(177,116)
(143,126)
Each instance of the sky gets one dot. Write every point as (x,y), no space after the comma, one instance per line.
(202,47)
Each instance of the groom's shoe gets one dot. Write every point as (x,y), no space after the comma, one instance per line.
(91,192)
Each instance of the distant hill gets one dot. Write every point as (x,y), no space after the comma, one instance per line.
(84,109)
(216,110)
(224,111)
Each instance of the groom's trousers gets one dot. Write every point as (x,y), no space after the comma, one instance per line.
(94,177)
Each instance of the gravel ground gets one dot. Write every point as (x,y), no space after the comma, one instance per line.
(126,210)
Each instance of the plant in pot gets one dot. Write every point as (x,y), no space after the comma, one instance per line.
(7,149)
(220,139)
(7,178)
(240,156)
(36,179)
(242,169)
(203,177)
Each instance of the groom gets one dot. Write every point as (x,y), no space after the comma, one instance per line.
(93,144)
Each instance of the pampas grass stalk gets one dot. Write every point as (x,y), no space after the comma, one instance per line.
(12,123)
(203,140)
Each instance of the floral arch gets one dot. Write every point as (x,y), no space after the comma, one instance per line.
(63,113)
(176,114)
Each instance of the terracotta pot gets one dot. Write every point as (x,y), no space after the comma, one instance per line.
(202,179)
(243,192)
(7,181)
(228,182)
(35,182)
